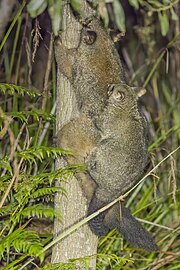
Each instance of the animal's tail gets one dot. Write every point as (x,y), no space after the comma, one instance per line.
(121,218)
(96,224)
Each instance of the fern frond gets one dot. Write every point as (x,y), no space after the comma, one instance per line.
(4,182)
(20,115)
(47,191)
(21,240)
(8,88)
(36,114)
(73,168)
(8,209)
(41,152)
(39,211)
(30,184)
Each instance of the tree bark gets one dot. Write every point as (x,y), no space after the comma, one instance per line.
(73,208)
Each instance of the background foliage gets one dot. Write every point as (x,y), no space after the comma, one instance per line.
(150,54)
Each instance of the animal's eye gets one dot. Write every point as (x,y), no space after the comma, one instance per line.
(119,95)
(89,37)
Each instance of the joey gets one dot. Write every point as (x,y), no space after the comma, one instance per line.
(117,162)
(121,154)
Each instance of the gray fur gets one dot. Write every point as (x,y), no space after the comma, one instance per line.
(101,131)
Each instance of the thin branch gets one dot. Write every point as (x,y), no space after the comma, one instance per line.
(155,224)
(16,173)
(47,74)
(11,183)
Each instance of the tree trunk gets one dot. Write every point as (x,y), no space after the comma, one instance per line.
(73,208)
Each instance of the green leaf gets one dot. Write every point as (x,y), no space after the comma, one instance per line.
(8,88)
(76,4)
(167,2)
(174,16)
(134,3)
(19,115)
(164,23)
(39,114)
(47,191)
(4,164)
(162,138)
(55,12)
(119,15)
(36,7)
(39,211)
(8,209)
(42,152)
(22,240)
(102,9)
(155,4)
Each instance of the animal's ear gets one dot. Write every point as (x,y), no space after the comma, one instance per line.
(140,91)
(110,89)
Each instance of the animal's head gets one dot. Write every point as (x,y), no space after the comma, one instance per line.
(124,97)
(99,53)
